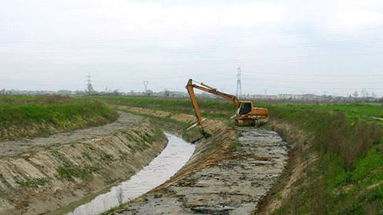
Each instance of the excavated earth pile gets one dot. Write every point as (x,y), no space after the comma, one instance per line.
(43,175)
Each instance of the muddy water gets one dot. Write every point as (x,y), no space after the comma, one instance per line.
(165,165)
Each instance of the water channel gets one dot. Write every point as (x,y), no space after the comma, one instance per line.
(166,164)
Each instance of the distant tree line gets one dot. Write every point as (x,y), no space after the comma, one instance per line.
(363,97)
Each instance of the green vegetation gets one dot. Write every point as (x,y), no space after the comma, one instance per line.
(32,182)
(220,109)
(114,210)
(139,147)
(347,177)
(22,116)
(333,132)
(170,105)
(106,157)
(70,172)
(86,155)
(233,146)
(173,105)
(353,112)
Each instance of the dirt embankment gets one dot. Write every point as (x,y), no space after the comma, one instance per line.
(16,148)
(44,174)
(300,158)
(229,173)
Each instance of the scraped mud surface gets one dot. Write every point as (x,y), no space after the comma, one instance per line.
(15,148)
(235,185)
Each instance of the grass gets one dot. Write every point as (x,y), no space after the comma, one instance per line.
(172,105)
(353,112)
(233,146)
(349,146)
(32,182)
(33,99)
(347,178)
(86,155)
(333,131)
(106,157)
(70,172)
(55,112)
(220,109)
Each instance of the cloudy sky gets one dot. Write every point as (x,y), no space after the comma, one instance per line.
(282,46)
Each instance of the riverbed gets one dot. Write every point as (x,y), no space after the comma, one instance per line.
(162,168)
(235,185)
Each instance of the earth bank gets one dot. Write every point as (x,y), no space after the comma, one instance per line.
(47,175)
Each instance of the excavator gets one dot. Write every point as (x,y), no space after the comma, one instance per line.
(246,115)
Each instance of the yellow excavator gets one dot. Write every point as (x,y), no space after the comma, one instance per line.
(246,115)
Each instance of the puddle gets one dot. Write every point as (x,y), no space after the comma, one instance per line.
(172,158)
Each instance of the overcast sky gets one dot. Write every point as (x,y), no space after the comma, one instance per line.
(286,46)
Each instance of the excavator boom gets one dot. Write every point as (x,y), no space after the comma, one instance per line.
(208,89)
(193,98)
(246,112)
(203,87)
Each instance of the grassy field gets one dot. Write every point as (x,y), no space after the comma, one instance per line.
(210,109)
(26,116)
(347,177)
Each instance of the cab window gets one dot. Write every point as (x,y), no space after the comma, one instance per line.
(245,108)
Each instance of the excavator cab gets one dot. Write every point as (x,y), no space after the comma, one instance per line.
(245,108)
(247,115)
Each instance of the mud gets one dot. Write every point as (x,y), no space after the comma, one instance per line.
(234,185)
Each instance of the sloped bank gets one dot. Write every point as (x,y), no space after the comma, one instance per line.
(34,116)
(45,181)
(229,173)
(334,168)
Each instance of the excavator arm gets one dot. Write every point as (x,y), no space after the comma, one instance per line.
(203,87)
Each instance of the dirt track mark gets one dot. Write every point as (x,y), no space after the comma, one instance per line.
(15,148)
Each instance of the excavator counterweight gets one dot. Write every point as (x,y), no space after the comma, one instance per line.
(246,113)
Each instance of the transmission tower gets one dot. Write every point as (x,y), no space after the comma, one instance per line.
(146,83)
(90,89)
(239,86)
